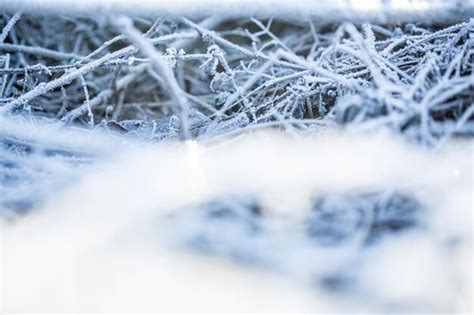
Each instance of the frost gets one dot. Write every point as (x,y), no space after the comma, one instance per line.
(417,81)
(130,145)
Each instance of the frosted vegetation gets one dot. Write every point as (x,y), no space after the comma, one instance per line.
(238,75)
(280,164)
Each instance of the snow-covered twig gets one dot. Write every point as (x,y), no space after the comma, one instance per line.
(168,80)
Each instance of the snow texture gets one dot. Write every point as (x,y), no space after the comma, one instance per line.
(222,164)
(295,224)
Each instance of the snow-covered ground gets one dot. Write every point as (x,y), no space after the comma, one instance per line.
(126,235)
(318,161)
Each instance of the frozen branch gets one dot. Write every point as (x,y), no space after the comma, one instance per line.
(168,80)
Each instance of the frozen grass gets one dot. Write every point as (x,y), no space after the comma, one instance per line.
(38,158)
(331,213)
(229,76)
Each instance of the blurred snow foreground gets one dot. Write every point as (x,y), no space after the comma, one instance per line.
(235,164)
(316,223)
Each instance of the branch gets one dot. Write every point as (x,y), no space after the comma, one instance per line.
(158,62)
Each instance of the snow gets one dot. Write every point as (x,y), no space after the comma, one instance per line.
(252,164)
(335,10)
(110,241)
